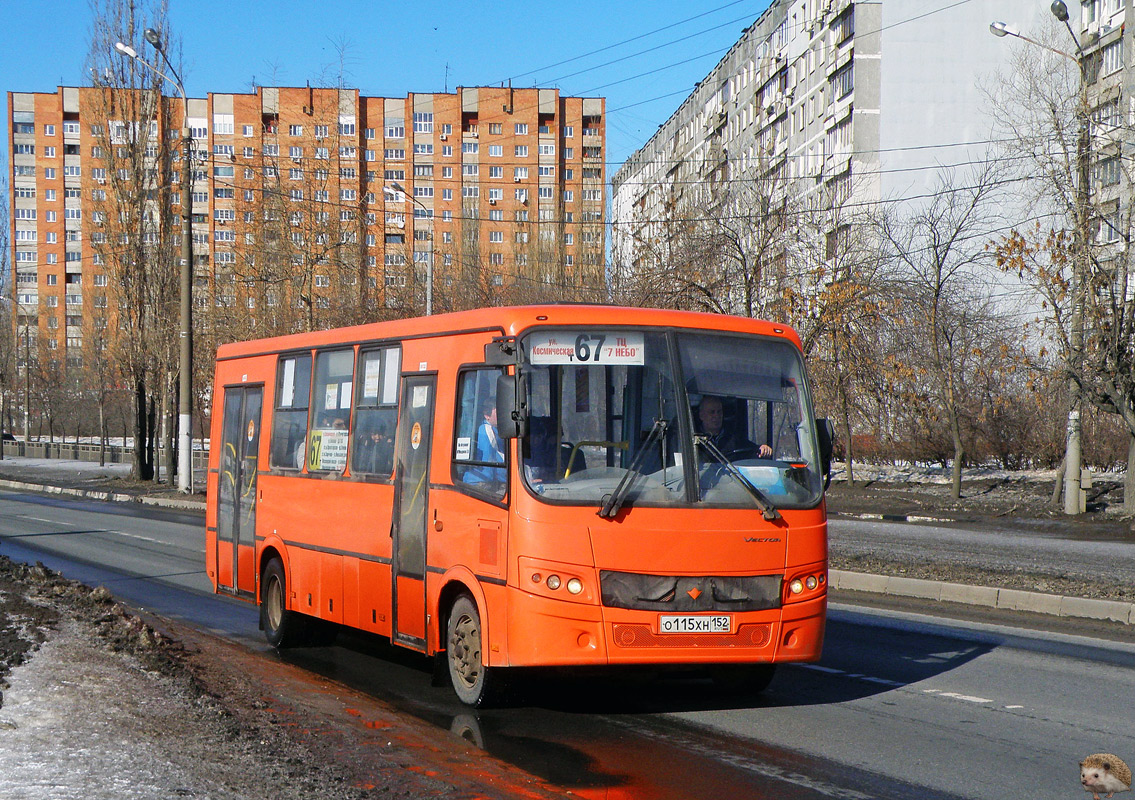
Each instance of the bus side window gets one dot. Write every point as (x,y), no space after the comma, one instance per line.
(479,460)
(332,398)
(376,414)
(289,422)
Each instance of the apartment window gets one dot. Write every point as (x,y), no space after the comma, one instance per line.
(72,170)
(520,173)
(521,129)
(1112,57)
(496,259)
(547,149)
(569,152)
(496,236)
(348,194)
(25,149)
(394,175)
(470,170)
(547,172)
(395,128)
(348,152)
(423,149)
(496,172)
(347,126)
(1107,172)
(222,193)
(569,196)
(295,174)
(569,131)
(423,170)
(446,194)
(842,81)
(592,194)
(394,154)
(369,133)
(246,131)
(447,172)
(520,151)
(423,122)
(295,130)
(469,147)
(423,191)
(470,191)
(545,192)
(494,128)
(320,131)
(447,150)
(223,124)
(522,195)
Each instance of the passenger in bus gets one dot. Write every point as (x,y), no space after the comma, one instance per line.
(711,415)
(489,449)
(376,452)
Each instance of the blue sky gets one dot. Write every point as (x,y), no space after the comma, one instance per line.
(392,49)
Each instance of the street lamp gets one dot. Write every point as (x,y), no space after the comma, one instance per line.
(1072,446)
(397,187)
(185,360)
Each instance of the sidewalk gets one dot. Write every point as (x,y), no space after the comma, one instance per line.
(111,483)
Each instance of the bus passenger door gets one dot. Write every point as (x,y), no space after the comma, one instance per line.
(411,502)
(236,490)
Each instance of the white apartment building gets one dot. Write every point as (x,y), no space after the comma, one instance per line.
(864,98)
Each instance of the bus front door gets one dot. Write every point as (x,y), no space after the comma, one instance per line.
(412,489)
(236,490)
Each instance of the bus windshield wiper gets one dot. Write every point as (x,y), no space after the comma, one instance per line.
(614,501)
(768,510)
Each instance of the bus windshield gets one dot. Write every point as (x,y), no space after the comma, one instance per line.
(622,417)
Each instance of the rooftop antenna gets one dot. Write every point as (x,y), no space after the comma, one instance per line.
(445,88)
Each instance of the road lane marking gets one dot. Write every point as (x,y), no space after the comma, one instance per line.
(969,698)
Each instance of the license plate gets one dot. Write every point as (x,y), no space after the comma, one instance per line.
(695,623)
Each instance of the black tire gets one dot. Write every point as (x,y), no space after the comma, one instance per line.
(282,628)
(470,678)
(743,678)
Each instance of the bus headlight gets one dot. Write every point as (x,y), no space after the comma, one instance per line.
(553,581)
(796,587)
(575,586)
(811,582)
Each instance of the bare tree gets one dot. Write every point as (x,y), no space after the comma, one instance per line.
(940,252)
(133,230)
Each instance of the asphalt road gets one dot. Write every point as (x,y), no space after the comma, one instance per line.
(900,706)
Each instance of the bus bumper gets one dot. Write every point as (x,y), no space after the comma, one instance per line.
(546,632)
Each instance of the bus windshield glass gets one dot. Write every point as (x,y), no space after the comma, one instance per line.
(622,417)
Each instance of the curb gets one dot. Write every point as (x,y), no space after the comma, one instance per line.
(989,596)
(113,497)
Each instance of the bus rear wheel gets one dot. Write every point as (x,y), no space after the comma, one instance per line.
(467,671)
(282,628)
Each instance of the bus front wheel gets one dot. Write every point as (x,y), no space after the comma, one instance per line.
(282,628)
(467,671)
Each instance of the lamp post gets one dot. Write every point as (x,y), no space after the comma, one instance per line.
(1073,463)
(397,187)
(185,358)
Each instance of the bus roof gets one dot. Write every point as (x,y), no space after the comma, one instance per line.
(510,321)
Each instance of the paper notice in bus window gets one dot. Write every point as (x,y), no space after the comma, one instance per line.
(372,372)
(333,453)
(421,396)
(345,394)
(331,396)
(464,448)
(288,390)
(586,347)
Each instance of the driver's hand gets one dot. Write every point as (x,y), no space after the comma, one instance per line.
(764,451)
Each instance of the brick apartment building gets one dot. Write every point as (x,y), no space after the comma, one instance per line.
(309,200)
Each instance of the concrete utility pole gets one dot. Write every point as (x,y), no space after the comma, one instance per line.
(185,359)
(1073,459)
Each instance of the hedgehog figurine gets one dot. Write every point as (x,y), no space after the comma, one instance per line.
(1103,772)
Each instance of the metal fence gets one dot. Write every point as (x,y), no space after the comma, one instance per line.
(115,454)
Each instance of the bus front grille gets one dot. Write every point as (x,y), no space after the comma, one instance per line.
(636,635)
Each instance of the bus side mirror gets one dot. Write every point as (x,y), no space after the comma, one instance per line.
(825,431)
(512,416)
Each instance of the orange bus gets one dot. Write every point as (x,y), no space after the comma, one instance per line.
(533,486)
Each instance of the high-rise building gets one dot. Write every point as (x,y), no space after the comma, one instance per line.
(836,100)
(339,205)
